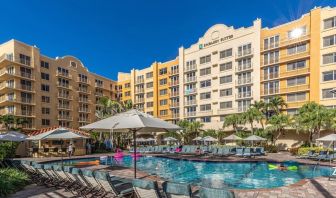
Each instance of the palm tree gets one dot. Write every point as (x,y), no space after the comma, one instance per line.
(195,128)
(276,104)
(251,115)
(276,125)
(312,118)
(260,105)
(190,129)
(232,120)
(111,107)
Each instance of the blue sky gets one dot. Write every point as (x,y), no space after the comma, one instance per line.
(111,36)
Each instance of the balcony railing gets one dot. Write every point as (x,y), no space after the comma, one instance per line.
(139,81)
(190,102)
(190,91)
(174,94)
(63,74)
(100,85)
(64,117)
(83,119)
(84,100)
(190,79)
(190,68)
(83,80)
(244,67)
(244,95)
(175,104)
(138,91)
(174,83)
(270,76)
(205,113)
(269,91)
(65,96)
(139,100)
(190,114)
(244,81)
(243,53)
(62,106)
(83,90)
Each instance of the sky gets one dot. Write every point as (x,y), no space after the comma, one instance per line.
(111,36)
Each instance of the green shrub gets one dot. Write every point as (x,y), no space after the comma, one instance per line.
(294,151)
(305,150)
(12,180)
(7,150)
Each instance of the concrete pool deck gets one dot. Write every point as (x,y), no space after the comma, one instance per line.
(314,188)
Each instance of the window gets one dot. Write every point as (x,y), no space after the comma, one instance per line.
(271,87)
(296,97)
(163,71)
(205,59)
(245,49)
(45,110)
(271,57)
(149,85)
(329,23)
(205,71)
(271,72)
(163,112)
(127,93)
(163,92)
(244,64)
(329,75)
(205,107)
(225,105)
(296,65)
(163,81)
(206,95)
(45,122)
(45,87)
(45,99)
(243,105)
(271,42)
(191,63)
(329,40)
(225,79)
(25,59)
(297,48)
(127,85)
(164,102)
(206,119)
(205,83)
(225,53)
(329,58)
(292,112)
(149,95)
(45,64)
(225,92)
(327,94)
(73,64)
(44,76)
(296,81)
(297,32)
(149,104)
(225,66)
(149,75)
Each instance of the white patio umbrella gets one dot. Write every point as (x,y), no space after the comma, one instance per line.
(132,121)
(232,137)
(198,139)
(255,138)
(13,136)
(209,139)
(170,139)
(57,134)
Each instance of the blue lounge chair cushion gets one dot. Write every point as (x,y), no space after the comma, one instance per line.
(76,171)
(47,166)
(176,188)
(88,173)
(68,169)
(145,184)
(102,175)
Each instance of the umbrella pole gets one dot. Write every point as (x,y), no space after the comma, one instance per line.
(135,152)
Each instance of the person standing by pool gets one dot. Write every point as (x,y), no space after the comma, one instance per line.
(88,148)
(70,150)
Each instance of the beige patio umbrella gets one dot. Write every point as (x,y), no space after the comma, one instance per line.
(255,138)
(232,137)
(132,121)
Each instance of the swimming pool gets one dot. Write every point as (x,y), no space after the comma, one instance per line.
(238,175)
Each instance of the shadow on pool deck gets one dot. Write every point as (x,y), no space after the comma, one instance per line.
(321,189)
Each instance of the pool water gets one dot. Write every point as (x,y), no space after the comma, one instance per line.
(239,175)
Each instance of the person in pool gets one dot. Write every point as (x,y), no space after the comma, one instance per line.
(282,167)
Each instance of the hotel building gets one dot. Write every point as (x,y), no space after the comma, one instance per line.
(222,73)
(47,91)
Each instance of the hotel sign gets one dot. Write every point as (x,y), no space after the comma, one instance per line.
(216,41)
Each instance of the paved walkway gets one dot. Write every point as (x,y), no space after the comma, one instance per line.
(308,188)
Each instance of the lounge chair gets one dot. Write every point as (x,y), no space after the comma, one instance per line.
(86,188)
(320,156)
(247,152)
(89,177)
(124,190)
(146,188)
(176,190)
(240,152)
(205,192)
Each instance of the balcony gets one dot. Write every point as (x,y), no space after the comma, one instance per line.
(139,81)
(174,105)
(297,88)
(83,90)
(224,111)
(174,83)
(83,80)
(205,113)
(190,68)
(99,94)
(5,72)
(272,61)
(8,99)
(190,91)
(173,72)
(244,95)
(190,114)
(64,96)
(63,85)
(84,100)
(289,41)
(83,119)
(190,102)
(296,56)
(269,76)
(244,81)
(99,85)
(63,74)
(244,67)
(175,115)
(244,53)
(265,92)
(84,110)
(64,117)
(174,94)
(18,112)
(139,100)
(139,91)
(190,79)
(64,107)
